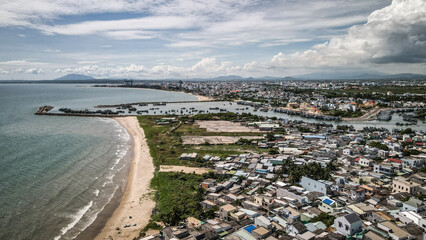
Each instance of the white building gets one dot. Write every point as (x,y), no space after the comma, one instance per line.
(348,225)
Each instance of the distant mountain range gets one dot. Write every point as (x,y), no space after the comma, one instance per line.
(357,75)
(75,77)
(311,76)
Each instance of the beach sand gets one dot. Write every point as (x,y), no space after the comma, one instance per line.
(200,97)
(135,201)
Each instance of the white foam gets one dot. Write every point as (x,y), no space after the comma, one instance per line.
(95,215)
(75,219)
(96,192)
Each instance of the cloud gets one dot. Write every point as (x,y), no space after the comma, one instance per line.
(52,50)
(4,72)
(394,34)
(193,23)
(207,67)
(34,71)
(123,26)
(354,36)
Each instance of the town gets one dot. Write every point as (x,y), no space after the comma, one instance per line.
(251,177)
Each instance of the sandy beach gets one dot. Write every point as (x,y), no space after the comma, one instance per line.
(135,201)
(200,97)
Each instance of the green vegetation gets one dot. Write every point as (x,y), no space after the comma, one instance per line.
(345,114)
(228,116)
(378,93)
(378,145)
(421,114)
(409,152)
(178,197)
(166,146)
(152,225)
(312,170)
(407,131)
(325,218)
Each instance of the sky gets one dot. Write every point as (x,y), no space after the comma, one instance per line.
(159,39)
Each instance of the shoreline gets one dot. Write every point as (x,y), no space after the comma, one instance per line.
(201,98)
(134,201)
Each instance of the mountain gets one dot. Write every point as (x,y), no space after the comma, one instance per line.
(358,76)
(229,77)
(75,77)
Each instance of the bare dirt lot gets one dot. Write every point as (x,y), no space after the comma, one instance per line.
(197,140)
(225,126)
(170,168)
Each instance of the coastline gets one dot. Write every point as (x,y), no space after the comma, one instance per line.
(201,98)
(135,201)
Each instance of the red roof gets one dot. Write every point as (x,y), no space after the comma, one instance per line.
(394,160)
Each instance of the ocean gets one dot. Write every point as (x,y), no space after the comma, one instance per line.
(58,173)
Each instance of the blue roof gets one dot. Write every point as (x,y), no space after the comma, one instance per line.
(328,201)
(314,136)
(250,228)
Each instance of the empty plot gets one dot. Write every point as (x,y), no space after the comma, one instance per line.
(196,140)
(225,126)
(170,168)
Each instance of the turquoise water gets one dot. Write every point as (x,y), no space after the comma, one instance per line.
(58,173)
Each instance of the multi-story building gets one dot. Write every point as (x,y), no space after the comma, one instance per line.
(399,186)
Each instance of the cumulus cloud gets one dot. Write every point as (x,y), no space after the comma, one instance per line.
(34,71)
(207,67)
(394,34)
(391,38)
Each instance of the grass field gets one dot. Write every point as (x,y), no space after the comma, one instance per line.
(166,145)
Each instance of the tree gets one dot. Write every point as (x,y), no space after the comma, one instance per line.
(270,136)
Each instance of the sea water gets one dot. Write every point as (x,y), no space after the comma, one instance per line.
(58,173)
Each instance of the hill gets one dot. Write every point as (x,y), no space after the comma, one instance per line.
(75,77)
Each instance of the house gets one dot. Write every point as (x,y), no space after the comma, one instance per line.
(296,228)
(399,186)
(290,214)
(226,210)
(328,205)
(314,185)
(207,204)
(174,233)
(413,204)
(370,235)
(358,194)
(262,221)
(348,225)
(188,156)
(364,162)
(380,217)
(386,169)
(412,217)
(395,232)
(261,233)
(287,194)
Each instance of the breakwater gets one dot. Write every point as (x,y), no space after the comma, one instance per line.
(147,103)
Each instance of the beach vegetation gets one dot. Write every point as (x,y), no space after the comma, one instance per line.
(178,197)
(165,141)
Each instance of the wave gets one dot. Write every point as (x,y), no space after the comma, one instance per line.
(95,215)
(75,219)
